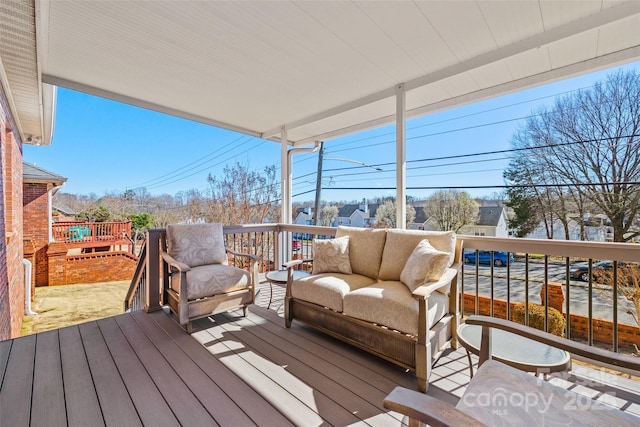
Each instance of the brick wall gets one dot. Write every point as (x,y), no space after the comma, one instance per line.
(5,311)
(35,201)
(628,335)
(98,267)
(11,268)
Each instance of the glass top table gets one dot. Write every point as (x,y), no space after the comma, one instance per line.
(281,277)
(511,349)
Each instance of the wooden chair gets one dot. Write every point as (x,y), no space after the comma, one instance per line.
(502,395)
(201,281)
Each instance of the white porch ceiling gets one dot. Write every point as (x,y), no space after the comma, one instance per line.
(322,69)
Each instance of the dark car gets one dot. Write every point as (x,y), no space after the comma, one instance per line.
(484,257)
(581,271)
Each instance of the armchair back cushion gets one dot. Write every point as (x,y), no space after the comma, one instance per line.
(401,243)
(365,249)
(197,244)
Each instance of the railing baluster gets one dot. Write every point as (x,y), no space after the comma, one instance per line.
(546,293)
(590,303)
(615,306)
(568,297)
(526,289)
(477,302)
(492,283)
(508,285)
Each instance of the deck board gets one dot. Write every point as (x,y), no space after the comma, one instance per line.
(210,395)
(182,401)
(325,374)
(5,349)
(231,353)
(47,403)
(117,407)
(325,396)
(251,403)
(15,394)
(83,408)
(148,400)
(143,369)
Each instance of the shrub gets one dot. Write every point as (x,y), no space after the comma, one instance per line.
(557,322)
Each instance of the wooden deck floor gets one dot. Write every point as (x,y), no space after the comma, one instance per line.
(143,369)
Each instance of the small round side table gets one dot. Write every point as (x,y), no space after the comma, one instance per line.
(280,277)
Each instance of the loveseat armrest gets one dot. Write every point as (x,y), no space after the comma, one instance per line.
(173,263)
(423,292)
(426,409)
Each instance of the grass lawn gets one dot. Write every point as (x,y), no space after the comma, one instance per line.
(60,306)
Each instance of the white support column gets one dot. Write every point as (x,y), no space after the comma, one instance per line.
(285,178)
(401,158)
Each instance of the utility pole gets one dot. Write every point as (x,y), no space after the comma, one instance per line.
(316,207)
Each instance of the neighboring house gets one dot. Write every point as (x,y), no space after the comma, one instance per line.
(39,186)
(597,228)
(361,215)
(304,217)
(492,221)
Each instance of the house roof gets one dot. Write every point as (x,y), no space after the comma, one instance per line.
(489,215)
(317,69)
(35,174)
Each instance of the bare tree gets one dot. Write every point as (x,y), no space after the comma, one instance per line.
(386,214)
(589,140)
(242,196)
(451,210)
(328,214)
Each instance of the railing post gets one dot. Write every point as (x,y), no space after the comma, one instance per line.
(152,298)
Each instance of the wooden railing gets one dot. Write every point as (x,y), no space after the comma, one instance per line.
(490,290)
(91,234)
(594,312)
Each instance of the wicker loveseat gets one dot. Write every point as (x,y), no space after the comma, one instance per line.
(370,306)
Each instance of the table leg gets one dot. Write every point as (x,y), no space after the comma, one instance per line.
(470,364)
(270,294)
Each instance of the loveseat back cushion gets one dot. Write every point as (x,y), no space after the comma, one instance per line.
(401,243)
(331,256)
(365,249)
(390,304)
(213,279)
(328,289)
(197,244)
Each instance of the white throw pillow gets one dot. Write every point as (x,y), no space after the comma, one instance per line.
(331,256)
(425,264)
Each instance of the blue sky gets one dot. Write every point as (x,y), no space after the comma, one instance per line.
(104,146)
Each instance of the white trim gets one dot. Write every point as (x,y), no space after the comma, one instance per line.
(401,158)
(80,87)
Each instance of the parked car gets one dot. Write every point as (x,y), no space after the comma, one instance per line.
(484,257)
(581,271)
(296,245)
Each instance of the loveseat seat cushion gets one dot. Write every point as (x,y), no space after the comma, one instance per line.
(401,243)
(213,279)
(328,289)
(391,304)
(365,249)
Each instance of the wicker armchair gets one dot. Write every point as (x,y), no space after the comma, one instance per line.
(201,281)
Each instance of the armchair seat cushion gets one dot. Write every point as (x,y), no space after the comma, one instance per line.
(328,289)
(391,304)
(210,280)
